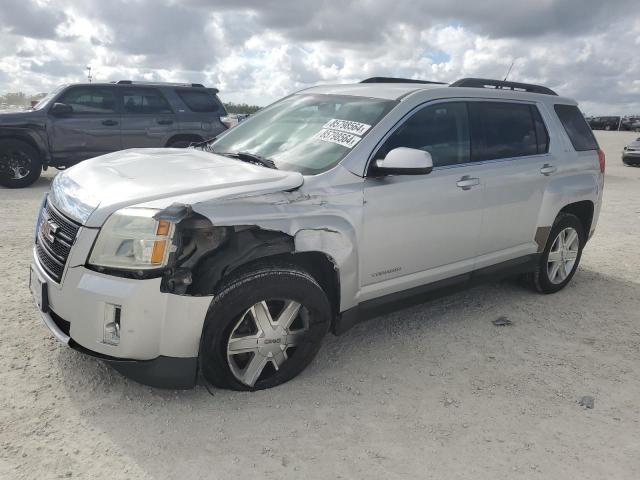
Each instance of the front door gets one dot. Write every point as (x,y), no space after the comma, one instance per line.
(91,129)
(420,229)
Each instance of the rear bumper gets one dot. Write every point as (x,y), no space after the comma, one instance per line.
(161,372)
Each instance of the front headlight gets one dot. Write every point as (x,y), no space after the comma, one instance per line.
(131,239)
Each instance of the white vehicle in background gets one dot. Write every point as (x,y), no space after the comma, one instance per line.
(235,259)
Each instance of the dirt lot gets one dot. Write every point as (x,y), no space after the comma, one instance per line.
(434,391)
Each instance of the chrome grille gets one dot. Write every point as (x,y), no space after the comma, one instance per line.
(56,234)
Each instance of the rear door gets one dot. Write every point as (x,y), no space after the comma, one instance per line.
(511,144)
(147,118)
(93,127)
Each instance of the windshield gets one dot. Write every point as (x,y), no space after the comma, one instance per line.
(305,133)
(43,103)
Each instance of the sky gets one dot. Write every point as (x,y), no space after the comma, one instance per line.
(257,51)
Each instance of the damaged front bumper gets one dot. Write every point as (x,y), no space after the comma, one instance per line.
(158,333)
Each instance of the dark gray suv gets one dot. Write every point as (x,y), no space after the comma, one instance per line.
(80,121)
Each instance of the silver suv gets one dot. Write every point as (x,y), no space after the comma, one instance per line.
(234,259)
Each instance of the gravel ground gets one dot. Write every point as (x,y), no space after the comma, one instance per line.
(434,391)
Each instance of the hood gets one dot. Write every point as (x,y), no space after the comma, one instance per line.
(11,117)
(131,177)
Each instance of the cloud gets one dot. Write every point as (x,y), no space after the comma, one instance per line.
(30,18)
(259,50)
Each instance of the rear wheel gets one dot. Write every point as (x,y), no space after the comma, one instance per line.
(561,256)
(20,164)
(263,328)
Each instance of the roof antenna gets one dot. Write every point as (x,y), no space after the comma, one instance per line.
(509,71)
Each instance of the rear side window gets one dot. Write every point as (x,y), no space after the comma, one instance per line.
(505,130)
(200,101)
(542,136)
(576,127)
(142,100)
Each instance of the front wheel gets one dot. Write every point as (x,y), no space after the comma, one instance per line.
(20,164)
(263,328)
(561,256)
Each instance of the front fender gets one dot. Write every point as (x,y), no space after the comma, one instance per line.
(33,134)
(315,225)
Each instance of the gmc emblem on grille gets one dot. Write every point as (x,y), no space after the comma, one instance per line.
(50,230)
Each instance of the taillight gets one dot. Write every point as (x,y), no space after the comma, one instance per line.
(229,121)
(601,159)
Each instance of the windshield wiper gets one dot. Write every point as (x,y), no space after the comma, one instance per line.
(251,158)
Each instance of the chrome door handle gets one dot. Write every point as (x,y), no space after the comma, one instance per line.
(467,182)
(548,169)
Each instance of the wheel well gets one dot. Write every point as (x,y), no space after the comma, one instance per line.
(185,138)
(584,211)
(322,268)
(29,141)
(317,264)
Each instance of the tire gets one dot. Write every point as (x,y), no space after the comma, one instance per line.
(20,164)
(608,127)
(233,315)
(542,279)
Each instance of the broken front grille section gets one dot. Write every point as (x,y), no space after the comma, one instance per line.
(56,234)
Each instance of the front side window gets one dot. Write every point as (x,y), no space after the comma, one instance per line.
(576,127)
(441,129)
(502,130)
(48,97)
(306,133)
(143,100)
(90,100)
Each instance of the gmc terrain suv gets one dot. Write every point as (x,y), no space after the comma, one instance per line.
(76,122)
(234,259)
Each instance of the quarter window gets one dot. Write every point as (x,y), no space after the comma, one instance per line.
(199,101)
(441,129)
(138,100)
(90,100)
(504,130)
(576,127)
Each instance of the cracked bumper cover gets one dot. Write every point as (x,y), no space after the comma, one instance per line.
(160,332)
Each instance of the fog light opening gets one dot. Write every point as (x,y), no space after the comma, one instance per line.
(111,331)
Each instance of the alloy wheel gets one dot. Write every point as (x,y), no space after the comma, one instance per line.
(265,338)
(562,256)
(15,164)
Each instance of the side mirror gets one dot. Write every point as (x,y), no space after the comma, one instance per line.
(61,109)
(404,161)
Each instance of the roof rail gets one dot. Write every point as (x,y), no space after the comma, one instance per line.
(130,82)
(397,80)
(502,85)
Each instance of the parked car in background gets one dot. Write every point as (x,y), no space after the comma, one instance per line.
(631,153)
(631,124)
(80,121)
(234,259)
(604,123)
